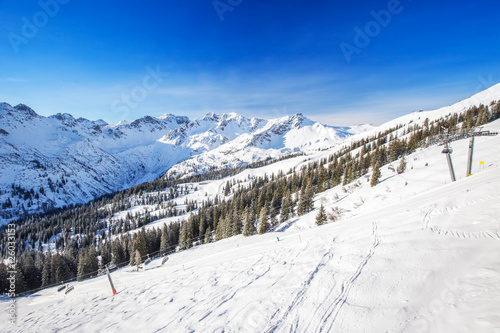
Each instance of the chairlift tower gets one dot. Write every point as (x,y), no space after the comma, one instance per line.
(448,150)
(469,159)
(448,137)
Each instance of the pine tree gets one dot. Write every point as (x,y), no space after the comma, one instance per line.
(59,269)
(138,259)
(186,237)
(81,267)
(484,117)
(46,277)
(347,176)
(20,281)
(337,174)
(142,242)
(321,218)
(322,180)
(202,226)
(301,206)
(263,224)
(105,253)
(248,223)
(164,245)
(286,207)
(87,263)
(27,265)
(131,252)
(117,253)
(208,235)
(376,174)
(310,197)
(221,227)
(402,166)
(306,201)
(236,225)
(228,226)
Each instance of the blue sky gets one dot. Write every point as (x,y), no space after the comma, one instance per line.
(258,58)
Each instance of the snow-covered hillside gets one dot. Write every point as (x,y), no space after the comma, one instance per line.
(416,253)
(59,160)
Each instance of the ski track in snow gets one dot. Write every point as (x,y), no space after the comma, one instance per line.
(280,316)
(463,234)
(330,303)
(341,300)
(433,214)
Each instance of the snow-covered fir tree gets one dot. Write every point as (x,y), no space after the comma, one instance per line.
(321,218)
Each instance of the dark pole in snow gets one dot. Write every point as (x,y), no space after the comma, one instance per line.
(111,283)
(447,150)
(469,160)
(450,166)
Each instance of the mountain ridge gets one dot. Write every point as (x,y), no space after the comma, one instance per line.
(61,160)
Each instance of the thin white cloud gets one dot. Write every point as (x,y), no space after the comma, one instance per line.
(13,79)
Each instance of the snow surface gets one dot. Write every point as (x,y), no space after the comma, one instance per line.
(416,253)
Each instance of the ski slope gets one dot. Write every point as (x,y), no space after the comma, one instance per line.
(416,253)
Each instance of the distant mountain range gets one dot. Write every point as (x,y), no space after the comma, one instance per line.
(54,161)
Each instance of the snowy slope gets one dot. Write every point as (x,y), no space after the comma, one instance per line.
(64,160)
(417,254)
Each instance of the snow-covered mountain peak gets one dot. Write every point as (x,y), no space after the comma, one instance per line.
(4,106)
(145,120)
(298,117)
(284,124)
(166,116)
(65,118)
(296,120)
(101,122)
(232,116)
(20,111)
(26,110)
(121,123)
(174,119)
(211,116)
